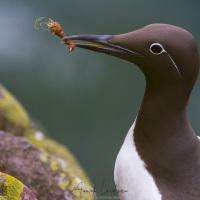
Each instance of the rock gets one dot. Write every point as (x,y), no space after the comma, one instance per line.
(46,167)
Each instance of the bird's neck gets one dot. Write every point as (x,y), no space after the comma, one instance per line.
(163,112)
(164,107)
(163,131)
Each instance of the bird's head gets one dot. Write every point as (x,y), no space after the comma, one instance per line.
(166,54)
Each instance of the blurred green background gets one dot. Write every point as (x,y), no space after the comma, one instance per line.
(83,99)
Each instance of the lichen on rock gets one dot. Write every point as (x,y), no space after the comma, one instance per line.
(48,168)
(13,117)
(13,189)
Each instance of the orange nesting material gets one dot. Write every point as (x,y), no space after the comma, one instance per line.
(55,28)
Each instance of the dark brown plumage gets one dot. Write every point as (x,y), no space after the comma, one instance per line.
(164,139)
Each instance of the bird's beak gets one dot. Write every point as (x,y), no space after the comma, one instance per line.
(100,43)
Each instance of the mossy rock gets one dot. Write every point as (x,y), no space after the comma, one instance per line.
(13,117)
(48,168)
(13,189)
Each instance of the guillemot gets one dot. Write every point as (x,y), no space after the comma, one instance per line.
(160,156)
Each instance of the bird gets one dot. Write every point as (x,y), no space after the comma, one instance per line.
(160,156)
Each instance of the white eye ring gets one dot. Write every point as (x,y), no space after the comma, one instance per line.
(157,49)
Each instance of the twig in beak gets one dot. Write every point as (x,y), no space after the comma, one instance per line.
(55,28)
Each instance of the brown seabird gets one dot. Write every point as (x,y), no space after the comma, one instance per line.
(160,156)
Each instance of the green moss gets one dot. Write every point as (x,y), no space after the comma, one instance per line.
(63,184)
(11,187)
(12,111)
(3,198)
(63,181)
(54,164)
(14,188)
(44,157)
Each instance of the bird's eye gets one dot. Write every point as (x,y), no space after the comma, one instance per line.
(156,49)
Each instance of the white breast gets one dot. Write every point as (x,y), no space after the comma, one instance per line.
(131,175)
